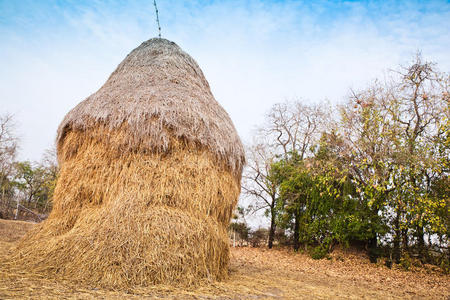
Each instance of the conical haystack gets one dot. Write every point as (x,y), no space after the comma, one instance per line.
(150,173)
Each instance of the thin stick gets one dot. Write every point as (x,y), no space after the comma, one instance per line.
(157,18)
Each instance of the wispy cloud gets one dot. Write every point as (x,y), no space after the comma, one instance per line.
(254,53)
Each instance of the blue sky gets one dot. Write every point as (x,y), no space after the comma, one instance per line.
(53,54)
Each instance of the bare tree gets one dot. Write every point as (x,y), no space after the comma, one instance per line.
(294,127)
(289,127)
(8,151)
(50,161)
(258,186)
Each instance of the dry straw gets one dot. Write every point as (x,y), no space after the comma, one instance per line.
(150,173)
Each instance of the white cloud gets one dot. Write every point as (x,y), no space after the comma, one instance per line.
(253,53)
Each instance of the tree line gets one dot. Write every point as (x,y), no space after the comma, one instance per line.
(371,172)
(26,188)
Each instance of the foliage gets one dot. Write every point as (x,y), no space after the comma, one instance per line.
(405,262)
(241,229)
(36,183)
(319,252)
(258,237)
(23,184)
(377,173)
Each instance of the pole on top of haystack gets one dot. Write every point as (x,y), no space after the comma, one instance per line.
(157,19)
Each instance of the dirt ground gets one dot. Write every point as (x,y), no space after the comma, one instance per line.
(255,273)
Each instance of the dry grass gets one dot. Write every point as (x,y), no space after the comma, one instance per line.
(160,92)
(11,231)
(150,170)
(130,219)
(254,274)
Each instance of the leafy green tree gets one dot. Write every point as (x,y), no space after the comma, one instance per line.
(29,181)
(420,109)
(393,133)
(370,146)
(293,181)
(36,183)
(378,174)
(239,225)
(318,201)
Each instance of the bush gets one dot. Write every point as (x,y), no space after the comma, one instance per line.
(241,229)
(282,238)
(405,261)
(319,252)
(445,264)
(258,237)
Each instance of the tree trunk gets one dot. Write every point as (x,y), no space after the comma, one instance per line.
(396,251)
(372,248)
(372,242)
(296,233)
(272,229)
(421,243)
(29,199)
(17,210)
(405,240)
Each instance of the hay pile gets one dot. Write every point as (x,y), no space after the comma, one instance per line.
(150,173)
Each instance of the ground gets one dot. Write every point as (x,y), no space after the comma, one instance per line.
(255,273)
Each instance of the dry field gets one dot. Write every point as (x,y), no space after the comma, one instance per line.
(254,274)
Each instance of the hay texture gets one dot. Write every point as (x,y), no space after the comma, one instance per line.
(150,173)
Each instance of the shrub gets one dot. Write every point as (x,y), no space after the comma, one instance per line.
(319,252)
(405,261)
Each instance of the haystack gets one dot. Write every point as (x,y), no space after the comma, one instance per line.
(150,173)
